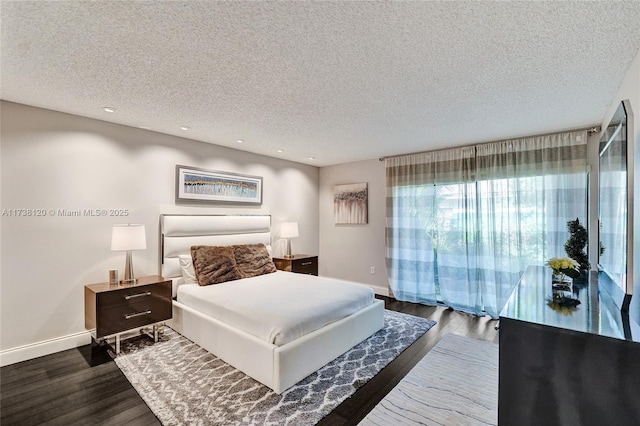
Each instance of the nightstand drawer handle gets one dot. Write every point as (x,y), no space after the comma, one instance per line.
(131,296)
(138,314)
(306,263)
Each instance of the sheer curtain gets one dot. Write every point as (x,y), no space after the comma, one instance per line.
(413,219)
(463,224)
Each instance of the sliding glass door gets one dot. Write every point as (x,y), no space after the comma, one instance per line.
(466,243)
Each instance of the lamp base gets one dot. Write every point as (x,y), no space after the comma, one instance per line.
(288,254)
(128,270)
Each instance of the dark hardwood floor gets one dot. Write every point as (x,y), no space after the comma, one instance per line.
(65,389)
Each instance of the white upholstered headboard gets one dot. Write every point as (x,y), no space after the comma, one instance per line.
(179,232)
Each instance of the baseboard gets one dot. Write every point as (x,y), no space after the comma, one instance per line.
(46,347)
(382,291)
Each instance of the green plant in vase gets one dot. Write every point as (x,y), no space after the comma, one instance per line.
(575,245)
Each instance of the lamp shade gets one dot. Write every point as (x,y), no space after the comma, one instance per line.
(289,230)
(128,237)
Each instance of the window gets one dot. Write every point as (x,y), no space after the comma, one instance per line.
(466,243)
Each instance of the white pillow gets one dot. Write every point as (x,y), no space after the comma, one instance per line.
(188,272)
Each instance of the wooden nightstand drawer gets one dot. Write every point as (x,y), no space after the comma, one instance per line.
(112,309)
(305,266)
(299,263)
(130,295)
(132,315)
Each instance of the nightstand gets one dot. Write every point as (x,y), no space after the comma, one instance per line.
(300,263)
(114,309)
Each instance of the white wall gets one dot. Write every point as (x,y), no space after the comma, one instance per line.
(349,251)
(52,161)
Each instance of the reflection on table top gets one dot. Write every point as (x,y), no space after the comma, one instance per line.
(532,298)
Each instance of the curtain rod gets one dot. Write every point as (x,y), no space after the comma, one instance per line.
(590,130)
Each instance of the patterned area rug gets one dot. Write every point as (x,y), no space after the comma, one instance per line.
(456,383)
(184,384)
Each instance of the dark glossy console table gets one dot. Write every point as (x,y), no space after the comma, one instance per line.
(566,367)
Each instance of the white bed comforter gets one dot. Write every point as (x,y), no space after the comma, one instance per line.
(278,307)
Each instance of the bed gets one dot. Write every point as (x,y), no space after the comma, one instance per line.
(277,362)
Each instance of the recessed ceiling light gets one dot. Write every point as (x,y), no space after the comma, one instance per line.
(240,141)
(108,109)
(279,150)
(312,158)
(185,128)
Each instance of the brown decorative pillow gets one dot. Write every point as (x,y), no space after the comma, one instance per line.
(214,264)
(253,260)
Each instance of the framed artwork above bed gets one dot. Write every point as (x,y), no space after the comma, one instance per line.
(194,185)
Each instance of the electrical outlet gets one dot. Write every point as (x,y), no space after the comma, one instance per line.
(373,270)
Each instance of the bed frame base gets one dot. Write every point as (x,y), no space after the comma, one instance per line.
(277,367)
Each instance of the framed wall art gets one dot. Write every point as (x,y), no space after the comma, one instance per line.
(350,203)
(199,185)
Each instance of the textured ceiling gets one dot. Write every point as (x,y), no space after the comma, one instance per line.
(338,81)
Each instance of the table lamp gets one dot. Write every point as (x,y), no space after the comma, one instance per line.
(289,230)
(128,238)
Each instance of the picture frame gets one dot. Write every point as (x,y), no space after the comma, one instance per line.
(350,203)
(195,185)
